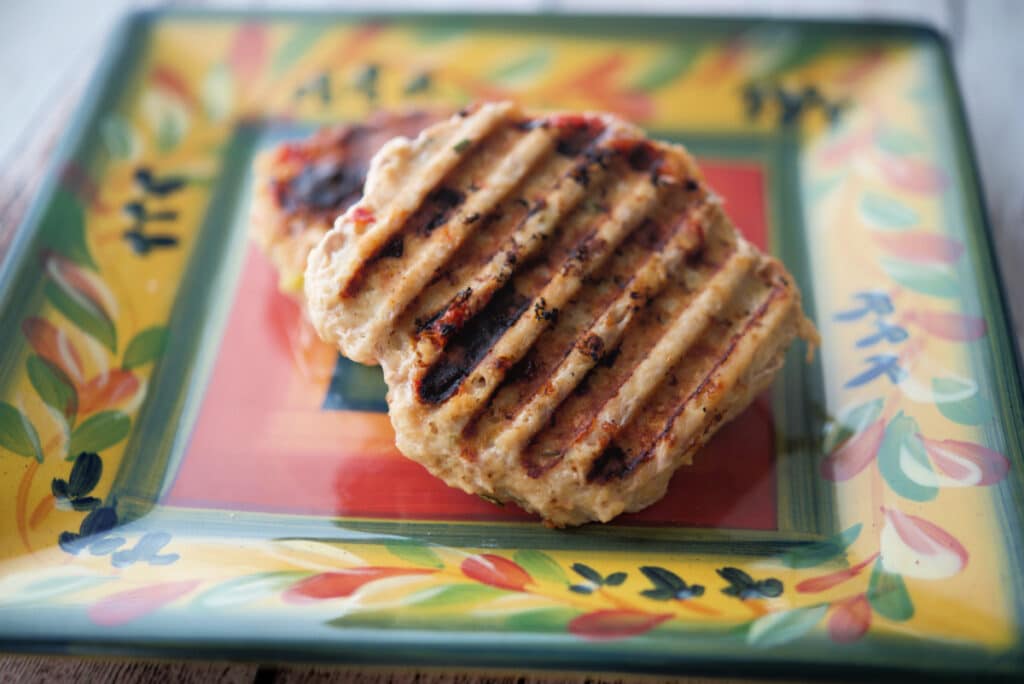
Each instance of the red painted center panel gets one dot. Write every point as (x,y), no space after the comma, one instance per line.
(262,442)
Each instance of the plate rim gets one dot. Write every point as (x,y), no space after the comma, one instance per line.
(140,21)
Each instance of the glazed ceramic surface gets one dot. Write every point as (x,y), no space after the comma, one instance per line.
(187,470)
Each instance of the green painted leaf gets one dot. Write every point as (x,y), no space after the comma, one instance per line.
(63,228)
(615,579)
(670,65)
(17,434)
(119,137)
(453,594)
(541,620)
(903,461)
(936,280)
(522,70)
(784,626)
(588,573)
(899,143)
(218,92)
(971,410)
(51,587)
(815,554)
(84,314)
(246,589)
(99,432)
(169,132)
(419,83)
(53,386)
(417,554)
(886,213)
(147,346)
(166,116)
(299,43)
(888,594)
(799,50)
(441,31)
(540,566)
(850,421)
(667,584)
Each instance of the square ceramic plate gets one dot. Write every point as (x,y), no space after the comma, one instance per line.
(187,471)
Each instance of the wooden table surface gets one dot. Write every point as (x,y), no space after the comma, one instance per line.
(48,49)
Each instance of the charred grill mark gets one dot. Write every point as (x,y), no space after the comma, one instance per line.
(517,211)
(333,164)
(449,318)
(613,462)
(435,211)
(581,174)
(519,255)
(594,155)
(392,249)
(608,360)
(591,394)
(467,347)
(536,462)
(578,254)
(542,313)
(527,125)
(593,346)
(524,370)
(649,239)
(332,185)
(576,133)
(643,157)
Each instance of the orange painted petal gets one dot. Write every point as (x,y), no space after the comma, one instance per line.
(920,246)
(42,509)
(949,326)
(594,77)
(352,46)
(168,80)
(107,390)
(855,454)
(126,606)
(615,624)
(824,582)
(850,619)
(965,461)
(329,585)
(86,284)
(52,344)
(249,51)
(496,571)
(694,607)
(923,536)
(912,175)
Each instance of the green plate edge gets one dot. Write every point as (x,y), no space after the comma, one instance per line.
(365,646)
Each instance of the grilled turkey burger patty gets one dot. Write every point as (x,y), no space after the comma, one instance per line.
(562,311)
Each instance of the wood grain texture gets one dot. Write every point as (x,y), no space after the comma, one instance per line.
(44,68)
(47,670)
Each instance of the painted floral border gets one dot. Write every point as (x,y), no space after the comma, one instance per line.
(95,409)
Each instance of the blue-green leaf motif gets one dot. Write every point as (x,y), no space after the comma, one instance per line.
(784,626)
(886,213)
(903,461)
